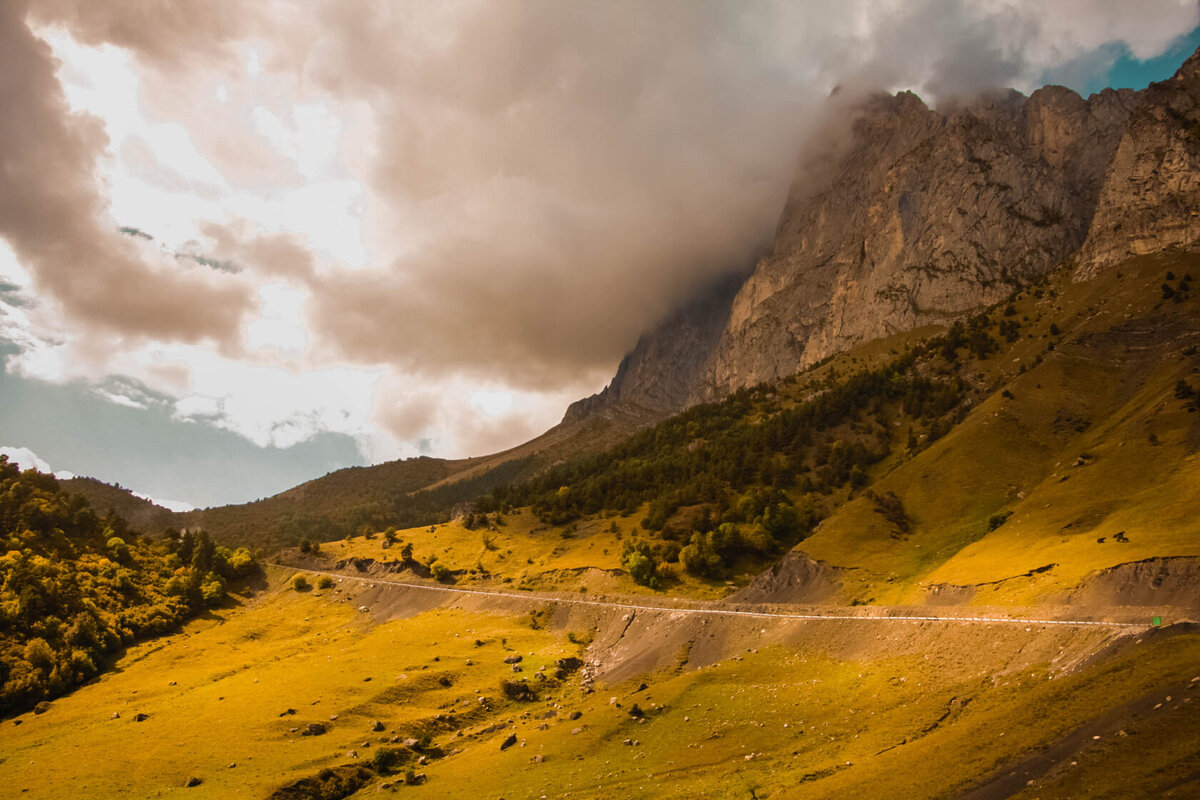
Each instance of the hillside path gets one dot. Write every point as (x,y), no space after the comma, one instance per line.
(720,608)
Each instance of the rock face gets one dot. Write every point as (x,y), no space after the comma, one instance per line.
(931,215)
(920,216)
(660,373)
(1150,200)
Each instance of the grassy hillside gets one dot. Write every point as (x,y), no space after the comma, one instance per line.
(1055,435)
(1083,457)
(305,692)
(352,501)
(75,587)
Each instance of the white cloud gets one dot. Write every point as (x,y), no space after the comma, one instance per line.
(170,505)
(25,458)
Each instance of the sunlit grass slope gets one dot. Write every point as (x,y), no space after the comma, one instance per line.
(226,702)
(1078,442)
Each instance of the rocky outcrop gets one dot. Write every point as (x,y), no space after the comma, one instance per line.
(932,215)
(1150,201)
(660,375)
(916,216)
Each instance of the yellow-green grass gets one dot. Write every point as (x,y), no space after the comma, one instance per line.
(868,722)
(1094,399)
(525,552)
(812,726)
(214,695)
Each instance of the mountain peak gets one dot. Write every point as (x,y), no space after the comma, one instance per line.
(1189,69)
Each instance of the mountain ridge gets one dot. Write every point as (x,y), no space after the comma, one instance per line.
(912,215)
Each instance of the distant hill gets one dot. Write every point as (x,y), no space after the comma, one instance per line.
(141,514)
(401,494)
(77,586)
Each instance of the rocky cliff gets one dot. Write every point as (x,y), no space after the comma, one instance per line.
(660,375)
(921,215)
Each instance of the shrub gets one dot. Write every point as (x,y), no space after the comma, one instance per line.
(997,519)
(324,582)
(299,583)
(384,759)
(213,591)
(640,567)
(439,571)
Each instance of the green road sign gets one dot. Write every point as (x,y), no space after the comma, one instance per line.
(1156,621)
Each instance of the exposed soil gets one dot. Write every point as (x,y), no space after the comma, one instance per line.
(796,578)
(1153,582)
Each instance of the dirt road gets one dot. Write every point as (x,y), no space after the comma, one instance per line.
(678,605)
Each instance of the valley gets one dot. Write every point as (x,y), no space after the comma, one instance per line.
(845,667)
(909,509)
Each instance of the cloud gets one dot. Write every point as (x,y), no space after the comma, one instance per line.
(54,216)
(556,176)
(25,458)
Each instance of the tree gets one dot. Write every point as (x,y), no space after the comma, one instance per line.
(640,567)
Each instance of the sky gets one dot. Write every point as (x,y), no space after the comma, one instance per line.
(242,245)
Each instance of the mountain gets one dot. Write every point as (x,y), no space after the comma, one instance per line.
(141,514)
(909,216)
(402,493)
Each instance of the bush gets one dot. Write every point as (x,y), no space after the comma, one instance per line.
(384,759)
(213,591)
(439,571)
(997,519)
(640,567)
(324,582)
(300,583)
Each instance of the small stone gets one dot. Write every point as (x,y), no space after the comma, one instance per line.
(377,726)
(575,715)
(232,765)
(115,715)
(139,717)
(192,781)
(515,658)
(538,759)
(509,742)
